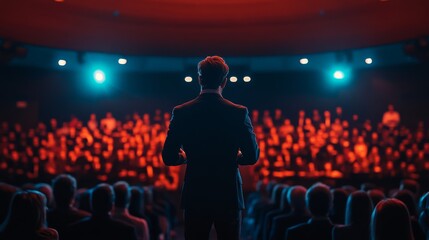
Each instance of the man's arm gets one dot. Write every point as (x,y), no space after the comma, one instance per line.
(248,145)
(172,154)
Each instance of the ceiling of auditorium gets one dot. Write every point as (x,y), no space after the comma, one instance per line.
(203,27)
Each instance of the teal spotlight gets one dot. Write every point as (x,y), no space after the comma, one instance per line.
(99,76)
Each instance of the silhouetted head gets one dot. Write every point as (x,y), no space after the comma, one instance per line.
(284,203)
(408,199)
(376,196)
(319,200)
(212,72)
(359,208)
(102,198)
(122,194)
(296,198)
(64,188)
(277,194)
(390,220)
(83,199)
(26,212)
(423,202)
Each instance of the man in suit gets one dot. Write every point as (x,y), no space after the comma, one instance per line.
(101,225)
(319,202)
(212,136)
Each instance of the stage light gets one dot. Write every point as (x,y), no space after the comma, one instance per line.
(122,61)
(338,75)
(188,79)
(62,62)
(99,76)
(233,79)
(303,61)
(368,61)
(247,79)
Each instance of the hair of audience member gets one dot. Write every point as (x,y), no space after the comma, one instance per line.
(319,200)
(359,209)
(408,199)
(47,191)
(391,220)
(27,213)
(376,196)
(339,202)
(296,198)
(64,188)
(136,207)
(122,194)
(212,72)
(102,198)
(411,185)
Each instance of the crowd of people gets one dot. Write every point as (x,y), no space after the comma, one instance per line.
(62,211)
(277,211)
(327,144)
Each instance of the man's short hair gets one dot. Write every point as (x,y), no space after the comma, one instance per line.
(319,200)
(102,198)
(64,188)
(122,194)
(212,71)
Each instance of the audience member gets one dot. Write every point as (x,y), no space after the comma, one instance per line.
(390,220)
(101,225)
(319,202)
(26,218)
(120,210)
(64,213)
(358,216)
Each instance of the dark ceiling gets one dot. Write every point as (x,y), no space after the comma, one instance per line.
(226,27)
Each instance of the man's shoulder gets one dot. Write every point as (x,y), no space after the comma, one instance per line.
(234,105)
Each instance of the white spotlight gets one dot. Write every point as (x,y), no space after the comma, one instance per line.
(99,77)
(303,61)
(233,79)
(247,79)
(368,61)
(122,61)
(62,62)
(188,79)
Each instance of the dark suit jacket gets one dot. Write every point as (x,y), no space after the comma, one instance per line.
(320,229)
(211,130)
(96,227)
(351,232)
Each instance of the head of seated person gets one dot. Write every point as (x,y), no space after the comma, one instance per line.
(319,200)
(296,198)
(122,195)
(391,220)
(64,188)
(359,209)
(102,198)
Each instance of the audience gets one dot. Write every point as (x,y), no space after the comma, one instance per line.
(120,210)
(319,203)
(331,145)
(101,225)
(26,218)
